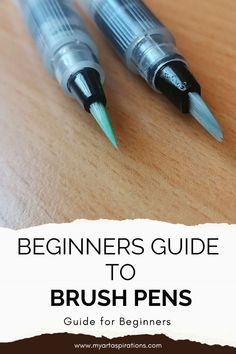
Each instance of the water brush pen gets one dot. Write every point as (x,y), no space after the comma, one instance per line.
(149,49)
(69,54)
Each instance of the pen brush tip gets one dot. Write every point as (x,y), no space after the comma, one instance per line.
(203,115)
(99,113)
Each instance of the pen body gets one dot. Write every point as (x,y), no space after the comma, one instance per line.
(145,45)
(61,37)
(140,39)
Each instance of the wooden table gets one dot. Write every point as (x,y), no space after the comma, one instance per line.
(56,166)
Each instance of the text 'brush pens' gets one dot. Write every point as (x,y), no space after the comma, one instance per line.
(148,49)
(69,54)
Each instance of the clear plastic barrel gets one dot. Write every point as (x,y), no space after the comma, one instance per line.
(140,39)
(61,37)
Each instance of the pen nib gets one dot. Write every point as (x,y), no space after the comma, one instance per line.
(99,113)
(202,114)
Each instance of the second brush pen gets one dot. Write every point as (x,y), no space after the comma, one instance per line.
(148,49)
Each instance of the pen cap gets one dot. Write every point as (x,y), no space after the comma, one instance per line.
(61,38)
(140,39)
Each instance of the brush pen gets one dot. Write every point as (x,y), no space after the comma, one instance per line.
(69,54)
(149,49)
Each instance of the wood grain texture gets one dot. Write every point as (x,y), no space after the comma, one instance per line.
(56,166)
